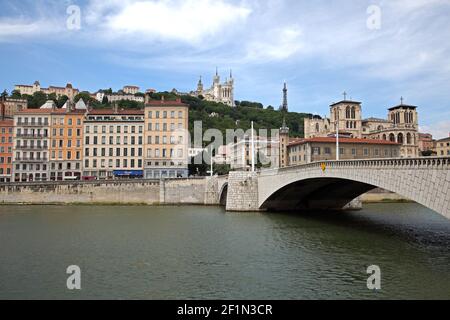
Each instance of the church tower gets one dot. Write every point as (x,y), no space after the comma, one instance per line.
(200,87)
(284,106)
(284,141)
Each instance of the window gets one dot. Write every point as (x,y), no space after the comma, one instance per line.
(316,150)
(327,150)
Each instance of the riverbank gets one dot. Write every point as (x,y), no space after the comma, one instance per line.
(383,196)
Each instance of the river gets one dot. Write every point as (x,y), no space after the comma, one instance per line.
(193,252)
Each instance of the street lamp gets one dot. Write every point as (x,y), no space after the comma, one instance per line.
(337,134)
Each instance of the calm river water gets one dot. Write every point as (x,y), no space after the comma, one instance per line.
(205,253)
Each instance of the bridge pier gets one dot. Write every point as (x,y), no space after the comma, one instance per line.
(242,191)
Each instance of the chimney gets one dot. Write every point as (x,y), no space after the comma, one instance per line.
(115,108)
(147,98)
(179,100)
(162,99)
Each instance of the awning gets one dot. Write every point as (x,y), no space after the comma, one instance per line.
(128,173)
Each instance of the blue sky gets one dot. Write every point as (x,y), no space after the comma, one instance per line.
(321,48)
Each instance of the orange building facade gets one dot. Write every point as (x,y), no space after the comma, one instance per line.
(66,144)
(6,145)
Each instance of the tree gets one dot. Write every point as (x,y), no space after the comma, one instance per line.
(270,108)
(105,100)
(36,100)
(61,101)
(52,96)
(4,94)
(15,94)
(86,96)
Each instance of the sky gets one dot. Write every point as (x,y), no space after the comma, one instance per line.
(377,51)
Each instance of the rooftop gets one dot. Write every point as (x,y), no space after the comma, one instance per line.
(345,101)
(403,106)
(166,103)
(112,112)
(375,120)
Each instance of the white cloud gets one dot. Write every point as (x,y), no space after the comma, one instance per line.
(13,28)
(186,21)
(439,130)
(278,44)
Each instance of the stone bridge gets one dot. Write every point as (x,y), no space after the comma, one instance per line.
(333,184)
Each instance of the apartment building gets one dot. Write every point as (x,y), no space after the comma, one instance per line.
(443,147)
(113,143)
(166,139)
(66,142)
(130,89)
(31,137)
(304,151)
(68,90)
(6,152)
(11,106)
(266,153)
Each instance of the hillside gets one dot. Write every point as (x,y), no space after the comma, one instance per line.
(212,115)
(222,117)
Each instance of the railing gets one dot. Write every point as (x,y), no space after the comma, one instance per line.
(30,159)
(395,163)
(33,124)
(22,135)
(31,147)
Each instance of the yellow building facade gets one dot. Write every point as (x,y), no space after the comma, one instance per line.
(166,139)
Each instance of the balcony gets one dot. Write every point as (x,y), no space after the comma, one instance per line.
(31,136)
(31,147)
(32,124)
(27,159)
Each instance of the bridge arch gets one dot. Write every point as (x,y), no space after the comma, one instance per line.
(223,194)
(315,193)
(333,184)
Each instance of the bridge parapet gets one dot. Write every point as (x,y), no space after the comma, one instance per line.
(389,163)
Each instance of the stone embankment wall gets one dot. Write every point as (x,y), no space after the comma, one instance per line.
(182,191)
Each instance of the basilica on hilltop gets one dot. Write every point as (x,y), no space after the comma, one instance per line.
(218,92)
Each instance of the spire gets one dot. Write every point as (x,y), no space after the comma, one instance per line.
(401,101)
(231,73)
(284,128)
(217,71)
(284,106)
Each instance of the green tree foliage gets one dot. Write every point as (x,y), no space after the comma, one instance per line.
(86,96)
(61,101)
(36,100)
(126,104)
(105,100)
(250,104)
(15,94)
(241,117)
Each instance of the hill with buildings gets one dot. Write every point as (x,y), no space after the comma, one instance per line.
(222,117)
(212,114)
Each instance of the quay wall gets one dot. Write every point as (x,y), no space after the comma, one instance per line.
(149,192)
